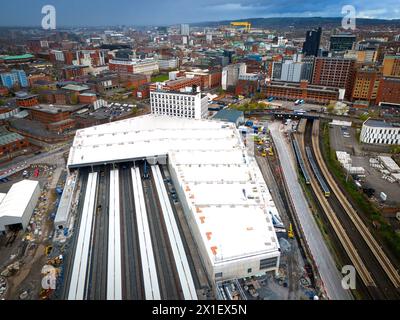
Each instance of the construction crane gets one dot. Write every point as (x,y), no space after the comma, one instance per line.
(245,24)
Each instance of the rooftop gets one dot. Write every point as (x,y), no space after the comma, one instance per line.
(380,124)
(19,57)
(221,182)
(17,199)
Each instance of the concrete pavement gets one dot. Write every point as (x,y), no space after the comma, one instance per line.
(329,273)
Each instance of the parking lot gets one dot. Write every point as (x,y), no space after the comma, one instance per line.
(346,140)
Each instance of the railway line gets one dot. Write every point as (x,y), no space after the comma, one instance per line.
(381,286)
(147,252)
(337,227)
(97,288)
(181,261)
(385,274)
(168,278)
(132,262)
(127,243)
(78,283)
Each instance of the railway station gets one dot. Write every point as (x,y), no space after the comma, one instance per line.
(134,178)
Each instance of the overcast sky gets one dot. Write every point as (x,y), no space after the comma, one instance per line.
(159,12)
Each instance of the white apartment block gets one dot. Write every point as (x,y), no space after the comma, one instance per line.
(167,64)
(380,132)
(179,104)
(144,66)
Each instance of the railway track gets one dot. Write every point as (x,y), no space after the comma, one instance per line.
(131,261)
(362,229)
(97,289)
(167,274)
(338,228)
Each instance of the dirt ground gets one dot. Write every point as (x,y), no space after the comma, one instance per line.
(29,248)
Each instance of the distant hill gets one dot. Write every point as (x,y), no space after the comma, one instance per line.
(301,23)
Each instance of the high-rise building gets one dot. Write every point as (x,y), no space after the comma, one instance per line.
(313,40)
(191,105)
(389,91)
(308,68)
(14,78)
(391,66)
(185,29)
(335,72)
(366,84)
(342,42)
(230,74)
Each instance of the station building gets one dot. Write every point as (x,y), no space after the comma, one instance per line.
(222,191)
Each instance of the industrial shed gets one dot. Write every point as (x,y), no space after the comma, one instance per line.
(17,206)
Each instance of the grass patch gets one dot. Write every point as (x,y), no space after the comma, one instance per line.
(391,238)
(160,78)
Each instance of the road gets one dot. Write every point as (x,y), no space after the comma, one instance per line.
(329,273)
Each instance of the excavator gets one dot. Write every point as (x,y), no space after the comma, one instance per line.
(291,232)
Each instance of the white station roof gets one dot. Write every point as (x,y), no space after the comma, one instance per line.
(17,199)
(223,186)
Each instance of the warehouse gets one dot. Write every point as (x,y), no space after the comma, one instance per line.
(223,193)
(17,206)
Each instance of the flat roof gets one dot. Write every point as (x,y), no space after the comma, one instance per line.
(17,199)
(223,186)
(19,57)
(380,124)
(7,138)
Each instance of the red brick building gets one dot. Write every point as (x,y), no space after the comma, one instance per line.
(246,87)
(28,100)
(303,90)
(366,85)
(389,91)
(178,84)
(3,91)
(11,142)
(32,79)
(87,98)
(335,72)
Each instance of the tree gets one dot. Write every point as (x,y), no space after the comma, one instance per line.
(2,102)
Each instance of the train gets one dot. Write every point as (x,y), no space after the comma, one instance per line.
(317,173)
(301,162)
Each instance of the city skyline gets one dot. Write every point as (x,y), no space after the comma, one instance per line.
(124,12)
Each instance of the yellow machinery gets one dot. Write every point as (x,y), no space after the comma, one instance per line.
(247,25)
(264,154)
(290,232)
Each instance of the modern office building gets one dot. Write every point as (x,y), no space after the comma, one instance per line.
(313,40)
(380,132)
(185,29)
(190,105)
(14,78)
(230,74)
(342,42)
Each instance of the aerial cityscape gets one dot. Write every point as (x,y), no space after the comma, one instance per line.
(214,151)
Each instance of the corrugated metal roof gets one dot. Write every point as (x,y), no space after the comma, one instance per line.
(17,199)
